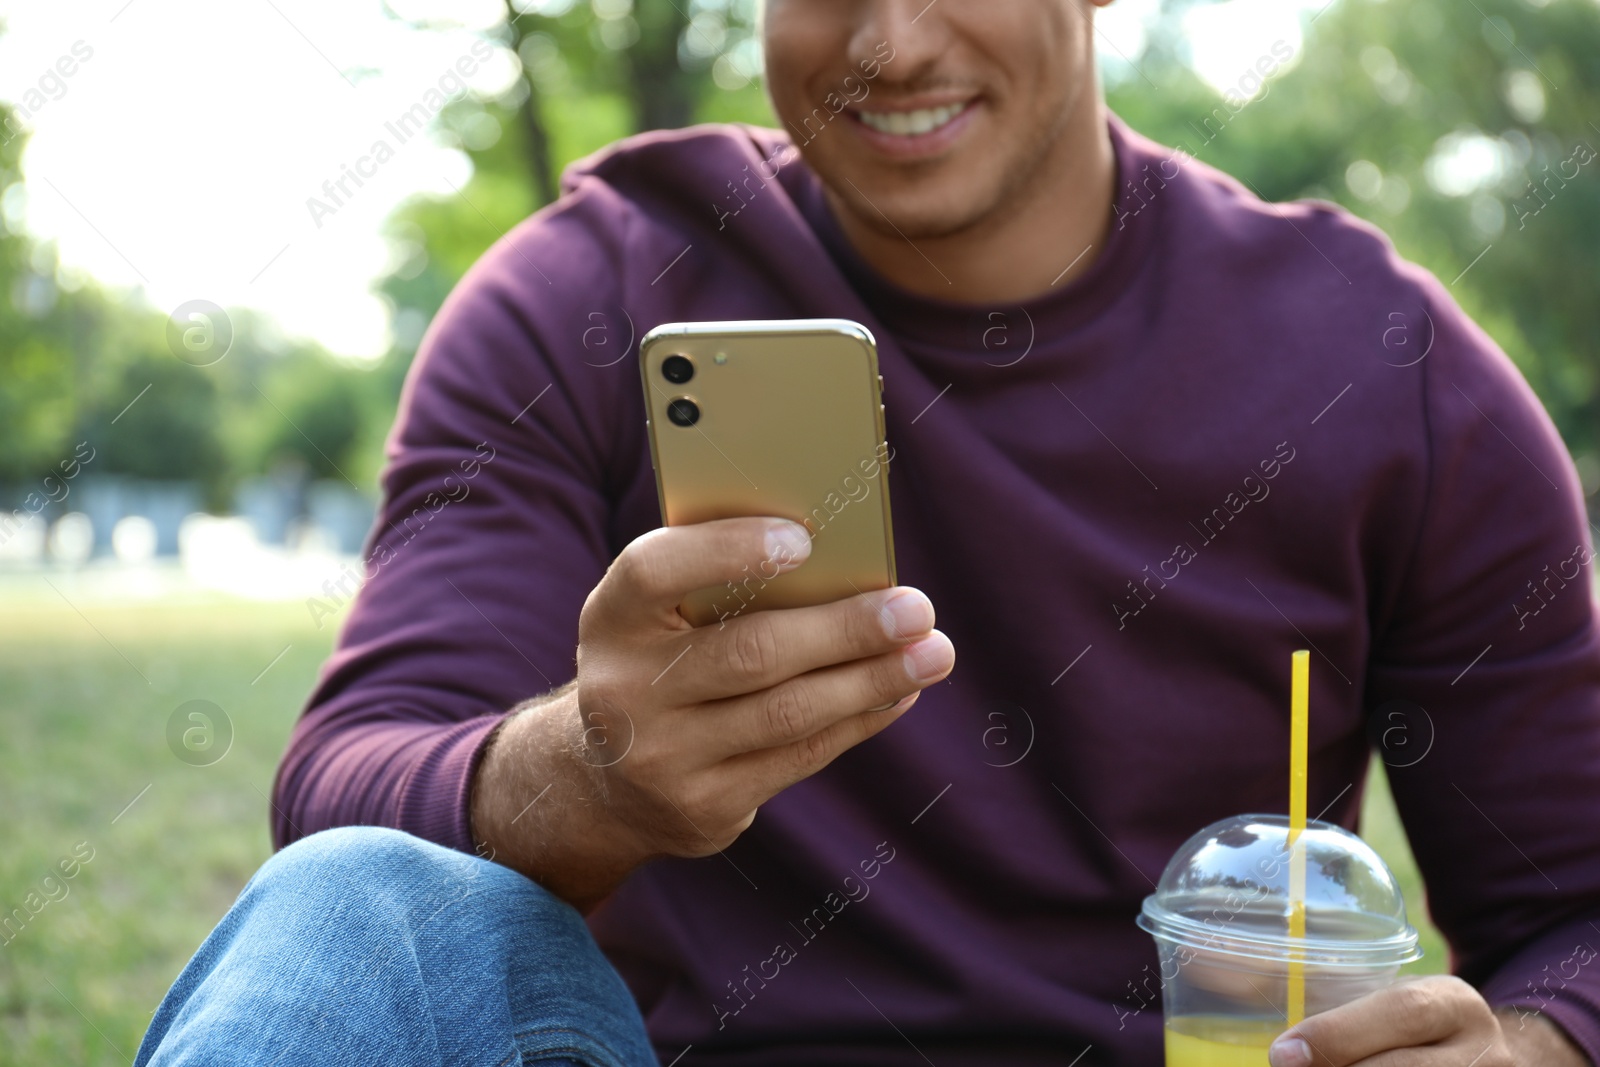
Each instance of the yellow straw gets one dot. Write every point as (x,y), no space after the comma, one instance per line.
(1299,701)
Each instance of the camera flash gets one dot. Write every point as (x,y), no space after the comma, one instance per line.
(720,358)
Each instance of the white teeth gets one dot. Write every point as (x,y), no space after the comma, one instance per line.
(911,123)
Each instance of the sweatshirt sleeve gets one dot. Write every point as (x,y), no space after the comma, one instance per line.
(513,435)
(1489,664)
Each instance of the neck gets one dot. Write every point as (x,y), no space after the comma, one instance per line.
(1045,233)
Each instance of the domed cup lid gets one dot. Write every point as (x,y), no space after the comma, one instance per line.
(1226,890)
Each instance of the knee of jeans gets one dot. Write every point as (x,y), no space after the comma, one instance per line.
(376,861)
(367,857)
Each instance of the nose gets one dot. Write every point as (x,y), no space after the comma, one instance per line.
(905,38)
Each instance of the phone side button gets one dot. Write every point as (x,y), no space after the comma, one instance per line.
(647,443)
(880,383)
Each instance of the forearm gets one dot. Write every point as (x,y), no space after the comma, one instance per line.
(538,803)
(1535,1041)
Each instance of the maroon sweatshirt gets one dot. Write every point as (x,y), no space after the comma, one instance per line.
(1247,428)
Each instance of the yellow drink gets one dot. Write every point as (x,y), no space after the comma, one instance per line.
(1219,1041)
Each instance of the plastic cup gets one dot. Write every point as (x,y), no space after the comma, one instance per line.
(1220,918)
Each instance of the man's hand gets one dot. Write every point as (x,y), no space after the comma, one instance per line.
(1424,1022)
(672,736)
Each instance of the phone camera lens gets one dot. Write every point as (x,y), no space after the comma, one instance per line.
(677,369)
(683,411)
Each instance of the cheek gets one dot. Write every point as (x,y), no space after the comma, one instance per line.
(811,47)
(797,53)
(1060,65)
(1035,54)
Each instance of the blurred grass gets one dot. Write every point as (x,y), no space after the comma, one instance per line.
(1380,827)
(85,734)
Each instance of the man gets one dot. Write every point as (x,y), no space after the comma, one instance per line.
(1149,436)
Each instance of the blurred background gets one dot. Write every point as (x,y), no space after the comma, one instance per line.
(203,334)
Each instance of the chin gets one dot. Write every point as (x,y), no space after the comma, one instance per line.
(919,221)
(918,207)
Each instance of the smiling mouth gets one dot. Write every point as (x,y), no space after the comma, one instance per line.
(911,123)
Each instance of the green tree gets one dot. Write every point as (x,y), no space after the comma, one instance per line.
(1384,107)
(37,391)
(159,420)
(592,73)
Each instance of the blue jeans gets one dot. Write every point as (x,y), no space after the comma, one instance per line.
(370,946)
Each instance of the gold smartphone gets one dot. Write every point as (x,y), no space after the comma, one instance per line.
(784,418)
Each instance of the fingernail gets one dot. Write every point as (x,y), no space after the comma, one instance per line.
(1289,1052)
(906,614)
(930,658)
(787,543)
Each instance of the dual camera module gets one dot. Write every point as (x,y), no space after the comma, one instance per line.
(681,410)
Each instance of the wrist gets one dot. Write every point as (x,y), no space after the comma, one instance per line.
(591,749)
(1534,1040)
(540,805)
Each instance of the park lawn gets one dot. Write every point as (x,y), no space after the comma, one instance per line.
(85,734)
(1380,827)
(85,700)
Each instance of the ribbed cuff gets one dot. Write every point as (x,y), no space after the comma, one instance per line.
(435,802)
